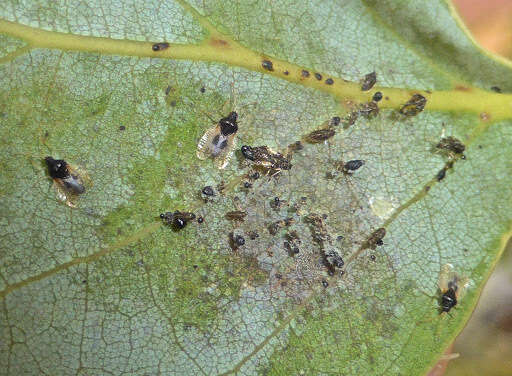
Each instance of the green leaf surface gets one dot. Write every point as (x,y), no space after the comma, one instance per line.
(105,288)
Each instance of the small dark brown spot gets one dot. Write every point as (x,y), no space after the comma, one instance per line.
(218,42)
(462,88)
(318,76)
(267,65)
(329,81)
(172,103)
(305,73)
(160,46)
(286,73)
(122,128)
(441,174)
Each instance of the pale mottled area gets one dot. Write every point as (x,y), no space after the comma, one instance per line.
(178,303)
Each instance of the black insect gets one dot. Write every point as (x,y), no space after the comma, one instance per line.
(69,181)
(318,76)
(451,288)
(304,73)
(352,166)
(441,174)
(253,235)
(247,185)
(414,106)
(239,240)
(325,283)
(496,89)
(377,97)
(368,81)
(160,46)
(267,64)
(329,81)
(177,219)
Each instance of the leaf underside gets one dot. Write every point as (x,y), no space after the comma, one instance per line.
(104,288)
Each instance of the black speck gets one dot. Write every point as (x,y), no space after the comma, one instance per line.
(84,281)
(267,64)
(318,76)
(329,81)
(325,283)
(208,191)
(339,238)
(255,176)
(247,185)
(195,266)
(202,90)
(200,219)
(441,174)
(372,257)
(377,97)
(239,240)
(168,90)
(335,121)
(172,103)
(286,73)
(122,128)
(480,146)
(279,275)
(496,89)
(304,73)
(353,165)
(253,235)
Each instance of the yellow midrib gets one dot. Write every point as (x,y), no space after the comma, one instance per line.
(220,48)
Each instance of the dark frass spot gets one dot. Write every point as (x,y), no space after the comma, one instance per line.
(335,121)
(267,65)
(368,81)
(239,240)
(414,106)
(441,174)
(122,127)
(496,89)
(329,81)
(208,191)
(160,46)
(318,76)
(377,97)
(286,73)
(305,73)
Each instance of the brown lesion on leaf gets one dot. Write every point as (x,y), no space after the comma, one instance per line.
(220,43)
(462,88)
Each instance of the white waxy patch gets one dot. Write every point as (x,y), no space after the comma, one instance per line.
(381,207)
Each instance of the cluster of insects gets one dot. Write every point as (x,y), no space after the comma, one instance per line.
(219,142)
